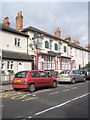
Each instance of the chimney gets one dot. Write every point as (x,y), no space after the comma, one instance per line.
(87,46)
(57,33)
(6,22)
(68,38)
(19,21)
(76,42)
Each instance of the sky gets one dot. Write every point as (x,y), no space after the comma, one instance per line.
(70,17)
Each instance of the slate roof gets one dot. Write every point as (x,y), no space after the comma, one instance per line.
(16,56)
(41,32)
(50,35)
(12,30)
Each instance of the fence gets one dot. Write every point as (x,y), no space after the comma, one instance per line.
(6,79)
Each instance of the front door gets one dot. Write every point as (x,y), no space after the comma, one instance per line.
(20,66)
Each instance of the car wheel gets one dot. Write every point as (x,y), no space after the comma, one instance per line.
(73,81)
(31,88)
(54,85)
(16,89)
(84,79)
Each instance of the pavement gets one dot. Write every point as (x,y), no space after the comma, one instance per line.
(5,88)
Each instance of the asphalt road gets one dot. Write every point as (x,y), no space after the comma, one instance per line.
(65,101)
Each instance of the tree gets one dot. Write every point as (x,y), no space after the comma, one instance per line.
(88,65)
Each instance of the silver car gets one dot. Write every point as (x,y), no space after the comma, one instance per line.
(71,76)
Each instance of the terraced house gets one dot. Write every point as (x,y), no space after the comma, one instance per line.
(32,48)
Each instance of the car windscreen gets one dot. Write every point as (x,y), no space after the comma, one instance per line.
(21,74)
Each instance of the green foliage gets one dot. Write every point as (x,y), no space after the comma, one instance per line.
(88,65)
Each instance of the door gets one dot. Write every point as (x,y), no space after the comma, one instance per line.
(20,66)
(46,81)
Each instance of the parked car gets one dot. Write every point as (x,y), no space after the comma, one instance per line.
(71,76)
(32,79)
(52,73)
(86,72)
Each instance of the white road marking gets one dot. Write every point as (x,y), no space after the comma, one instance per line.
(53,93)
(74,88)
(29,117)
(62,104)
(65,90)
(43,91)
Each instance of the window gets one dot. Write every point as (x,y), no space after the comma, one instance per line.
(9,65)
(50,44)
(64,48)
(17,42)
(43,74)
(56,46)
(34,74)
(21,74)
(46,44)
(3,62)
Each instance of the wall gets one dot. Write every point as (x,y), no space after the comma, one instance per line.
(7,42)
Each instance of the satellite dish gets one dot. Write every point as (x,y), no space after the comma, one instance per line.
(30,45)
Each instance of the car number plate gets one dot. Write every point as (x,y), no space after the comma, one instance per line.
(62,76)
(17,80)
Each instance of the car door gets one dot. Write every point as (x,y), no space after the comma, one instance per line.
(35,77)
(78,75)
(46,81)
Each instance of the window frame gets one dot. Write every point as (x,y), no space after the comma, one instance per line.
(33,73)
(10,65)
(65,49)
(56,46)
(17,42)
(46,44)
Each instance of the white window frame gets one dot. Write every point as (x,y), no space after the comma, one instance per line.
(3,63)
(17,42)
(10,67)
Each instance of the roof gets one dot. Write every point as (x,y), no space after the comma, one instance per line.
(50,35)
(12,30)
(16,56)
(78,47)
(41,32)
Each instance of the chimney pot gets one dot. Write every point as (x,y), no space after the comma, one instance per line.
(6,22)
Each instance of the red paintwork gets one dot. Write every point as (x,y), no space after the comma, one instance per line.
(38,81)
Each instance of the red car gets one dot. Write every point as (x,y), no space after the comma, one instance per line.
(33,79)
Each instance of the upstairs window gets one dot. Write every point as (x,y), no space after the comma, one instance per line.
(17,42)
(56,46)
(64,48)
(3,63)
(46,44)
(10,65)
